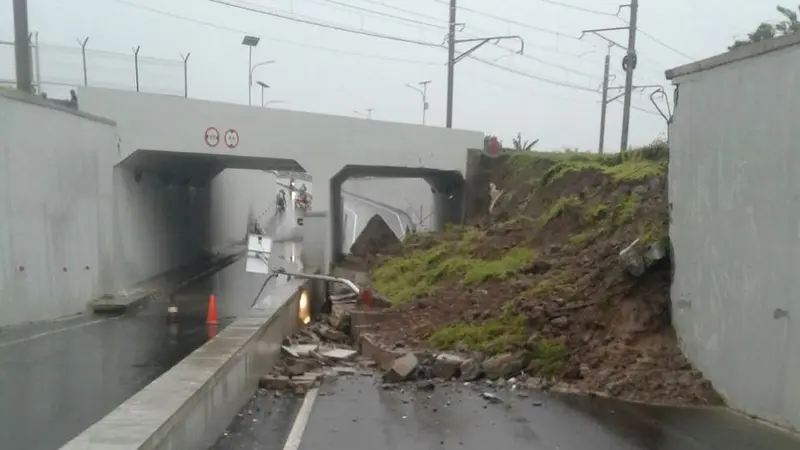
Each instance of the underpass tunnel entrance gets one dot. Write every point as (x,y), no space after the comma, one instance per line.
(177,208)
(447,188)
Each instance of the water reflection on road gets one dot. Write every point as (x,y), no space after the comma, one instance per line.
(57,379)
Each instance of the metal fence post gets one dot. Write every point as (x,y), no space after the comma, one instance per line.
(186,74)
(136,65)
(83,56)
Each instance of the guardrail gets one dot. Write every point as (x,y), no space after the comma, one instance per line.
(191,405)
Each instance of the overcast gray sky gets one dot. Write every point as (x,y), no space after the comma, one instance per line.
(547,93)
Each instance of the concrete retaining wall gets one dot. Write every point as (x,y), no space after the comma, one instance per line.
(735,199)
(55,209)
(190,406)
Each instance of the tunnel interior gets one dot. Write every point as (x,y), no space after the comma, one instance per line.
(176,208)
(447,188)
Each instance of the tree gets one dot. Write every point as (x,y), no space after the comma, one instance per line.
(524,146)
(766,31)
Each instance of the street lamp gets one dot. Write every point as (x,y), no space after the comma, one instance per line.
(250,41)
(424,92)
(263,86)
(252,71)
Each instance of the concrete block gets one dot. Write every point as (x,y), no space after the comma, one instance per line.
(402,369)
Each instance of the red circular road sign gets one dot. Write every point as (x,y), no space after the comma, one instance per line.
(494,146)
(211,136)
(231,138)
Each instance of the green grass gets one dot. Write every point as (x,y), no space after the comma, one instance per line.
(552,356)
(418,273)
(559,206)
(492,336)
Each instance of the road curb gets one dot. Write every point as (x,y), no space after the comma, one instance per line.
(123,303)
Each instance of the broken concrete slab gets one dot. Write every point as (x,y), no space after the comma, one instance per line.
(447,366)
(329,334)
(299,350)
(339,354)
(339,318)
(382,356)
(404,368)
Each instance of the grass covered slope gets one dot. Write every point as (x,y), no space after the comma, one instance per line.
(539,277)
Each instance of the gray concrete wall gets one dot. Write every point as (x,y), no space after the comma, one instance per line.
(235,193)
(74,227)
(55,208)
(735,229)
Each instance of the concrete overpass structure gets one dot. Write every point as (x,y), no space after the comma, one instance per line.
(190,141)
(132,185)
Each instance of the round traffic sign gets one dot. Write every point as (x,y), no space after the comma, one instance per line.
(231,138)
(211,136)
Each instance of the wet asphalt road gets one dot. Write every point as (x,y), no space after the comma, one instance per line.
(355,414)
(264,422)
(59,378)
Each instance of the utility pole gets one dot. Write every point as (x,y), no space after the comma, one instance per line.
(604,102)
(452,59)
(451,62)
(629,64)
(424,92)
(22,47)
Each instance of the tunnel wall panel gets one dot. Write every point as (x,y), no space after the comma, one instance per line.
(235,194)
(54,208)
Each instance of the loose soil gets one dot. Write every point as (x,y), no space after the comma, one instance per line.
(540,276)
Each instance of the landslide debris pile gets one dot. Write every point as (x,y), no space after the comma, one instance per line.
(535,285)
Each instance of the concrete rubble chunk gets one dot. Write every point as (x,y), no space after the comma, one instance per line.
(402,369)
(446,366)
(295,366)
(502,365)
(340,319)
(339,354)
(329,334)
(632,259)
(273,382)
(471,369)
(299,350)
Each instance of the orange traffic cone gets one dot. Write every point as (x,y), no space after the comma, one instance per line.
(211,317)
(211,331)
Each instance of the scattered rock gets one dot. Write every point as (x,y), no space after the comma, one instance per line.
(447,366)
(402,369)
(491,398)
(426,385)
(471,369)
(329,334)
(640,189)
(273,382)
(561,322)
(632,259)
(502,365)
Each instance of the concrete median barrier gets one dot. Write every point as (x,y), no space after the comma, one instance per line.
(191,405)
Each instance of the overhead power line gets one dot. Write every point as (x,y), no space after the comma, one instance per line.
(327,25)
(532,76)
(514,22)
(382,14)
(577,8)
(658,41)
(275,39)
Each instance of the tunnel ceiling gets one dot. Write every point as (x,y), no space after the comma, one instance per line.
(182,166)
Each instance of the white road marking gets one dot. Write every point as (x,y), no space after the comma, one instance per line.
(299,427)
(57,331)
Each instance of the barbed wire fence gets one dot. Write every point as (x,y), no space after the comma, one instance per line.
(58,68)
